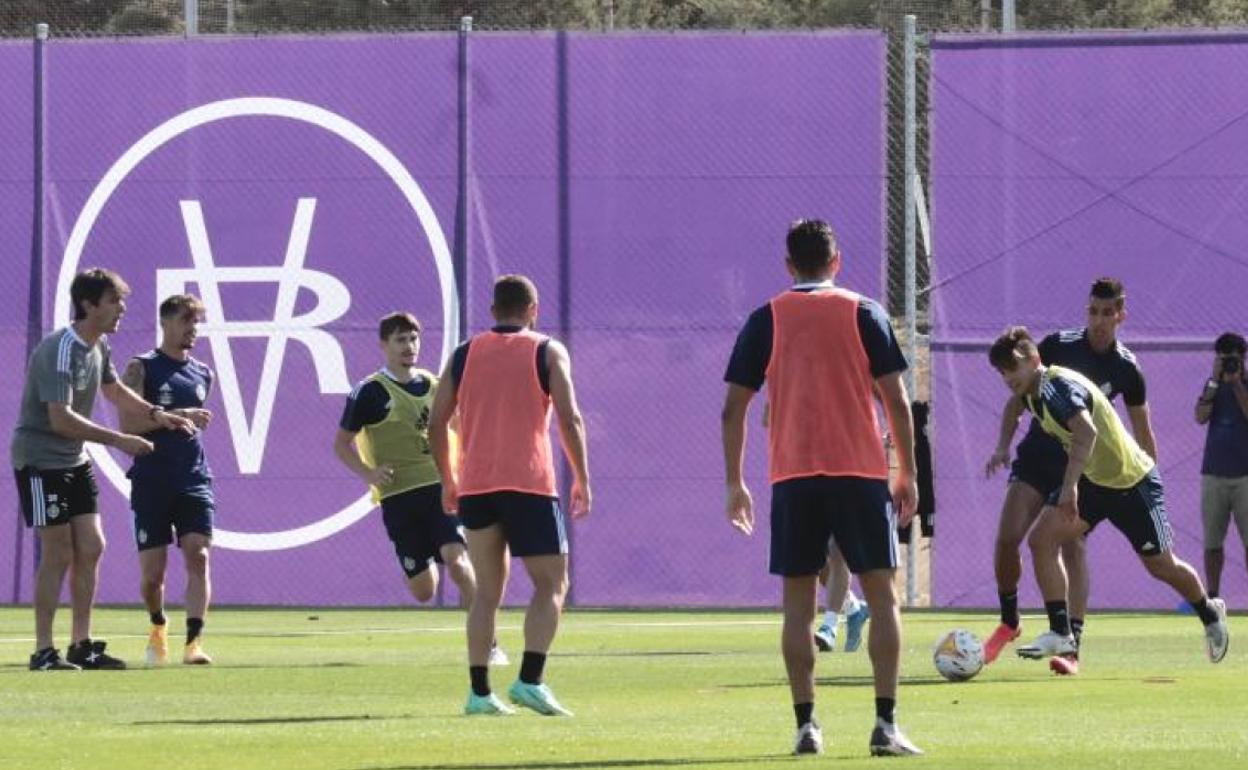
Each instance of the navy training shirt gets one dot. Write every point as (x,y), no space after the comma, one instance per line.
(369,402)
(178,459)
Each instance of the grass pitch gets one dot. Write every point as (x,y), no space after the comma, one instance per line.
(382,690)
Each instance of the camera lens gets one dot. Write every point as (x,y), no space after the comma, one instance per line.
(1230,365)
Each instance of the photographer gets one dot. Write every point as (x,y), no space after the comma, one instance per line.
(1223,406)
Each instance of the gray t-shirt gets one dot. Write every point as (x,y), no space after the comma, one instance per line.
(62,370)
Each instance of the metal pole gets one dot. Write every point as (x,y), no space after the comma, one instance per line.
(565,258)
(1008,15)
(191,16)
(229,17)
(610,15)
(912,346)
(985,15)
(34,308)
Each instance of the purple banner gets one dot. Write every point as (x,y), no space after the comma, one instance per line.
(305,187)
(1057,160)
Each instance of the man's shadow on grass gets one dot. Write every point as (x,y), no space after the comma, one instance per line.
(589,764)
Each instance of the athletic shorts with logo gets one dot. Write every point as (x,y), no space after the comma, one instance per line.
(1139,512)
(161,511)
(1039,464)
(856,512)
(418,528)
(533,525)
(53,496)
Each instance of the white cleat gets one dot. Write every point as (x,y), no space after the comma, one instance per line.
(1217,634)
(888,741)
(498,657)
(809,739)
(1047,645)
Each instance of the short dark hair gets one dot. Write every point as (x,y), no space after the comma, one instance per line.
(1230,343)
(1109,288)
(513,294)
(1014,341)
(179,304)
(811,244)
(397,322)
(90,285)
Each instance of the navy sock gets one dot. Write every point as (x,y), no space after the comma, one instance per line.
(531,667)
(1059,618)
(158,618)
(1009,609)
(1206,613)
(805,712)
(194,627)
(480,677)
(885,708)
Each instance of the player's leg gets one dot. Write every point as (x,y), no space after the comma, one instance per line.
(153,562)
(1239,503)
(1215,514)
(56,552)
(855,610)
(487,551)
(800,598)
(835,578)
(84,571)
(1019,510)
(1052,529)
(537,533)
(195,555)
(1074,554)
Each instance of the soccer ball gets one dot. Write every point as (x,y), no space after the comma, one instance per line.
(959,655)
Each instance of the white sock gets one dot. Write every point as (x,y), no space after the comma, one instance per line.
(852,604)
(831,618)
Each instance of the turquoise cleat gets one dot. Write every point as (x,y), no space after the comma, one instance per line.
(486,704)
(853,627)
(537,697)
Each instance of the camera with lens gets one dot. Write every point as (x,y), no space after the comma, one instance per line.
(1230,349)
(1232,364)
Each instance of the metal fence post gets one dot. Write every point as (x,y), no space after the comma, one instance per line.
(191,17)
(911,309)
(1008,15)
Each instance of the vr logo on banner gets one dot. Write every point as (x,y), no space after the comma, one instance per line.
(249,437)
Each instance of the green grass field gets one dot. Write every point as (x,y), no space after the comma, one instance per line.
(382,690)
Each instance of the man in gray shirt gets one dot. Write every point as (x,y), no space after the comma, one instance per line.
(54,477)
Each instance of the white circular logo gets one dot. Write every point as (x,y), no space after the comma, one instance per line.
(300,112)
(53,511)
(409,563)
(200,393)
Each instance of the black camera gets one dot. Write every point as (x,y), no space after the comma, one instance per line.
(1231,364)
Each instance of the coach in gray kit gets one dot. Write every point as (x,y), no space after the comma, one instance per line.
(54,478)
(1223,406)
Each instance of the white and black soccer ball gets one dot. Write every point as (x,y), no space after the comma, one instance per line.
(959,655)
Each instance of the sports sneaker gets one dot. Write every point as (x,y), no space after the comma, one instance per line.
(486,704)
(1217,635)
(825,638)
(89,654)
(1065,665)
(193,654)
(537,697)
(854,622)
(157,653)
(1001,636)
(498,657)
(809,739)
(888,741)
(49,659)
(1046,644)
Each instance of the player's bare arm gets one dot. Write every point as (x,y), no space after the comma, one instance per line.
(445,400)
(1010,415)
(1082,437)
(905,486)
(68,423)
(138,412)
(571,426)
(738,504)
(344,450)
(1142,427)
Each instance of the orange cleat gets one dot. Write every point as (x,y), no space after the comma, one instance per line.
(1001,636)
(1064,665)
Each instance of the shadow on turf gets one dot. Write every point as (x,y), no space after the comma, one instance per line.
(267,720)
(588,764)
(862,681)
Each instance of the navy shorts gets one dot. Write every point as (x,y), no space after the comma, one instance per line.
(533,525)
(1040,465)
(418,527)
(160,511)
(856,512)
(1139,512)
(56,495)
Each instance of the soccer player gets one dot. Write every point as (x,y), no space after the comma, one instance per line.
(1107,476)
(503,383)
(823,352)
(1095,352)
(387,419)
(171,488)
(54,477)
(840,600)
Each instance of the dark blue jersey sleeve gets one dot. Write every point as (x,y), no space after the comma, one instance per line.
(878,339)
(1064,399)
(1134,393)
(752,352)
(367,405)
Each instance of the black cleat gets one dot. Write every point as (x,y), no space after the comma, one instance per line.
(89,654)
(49,659)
